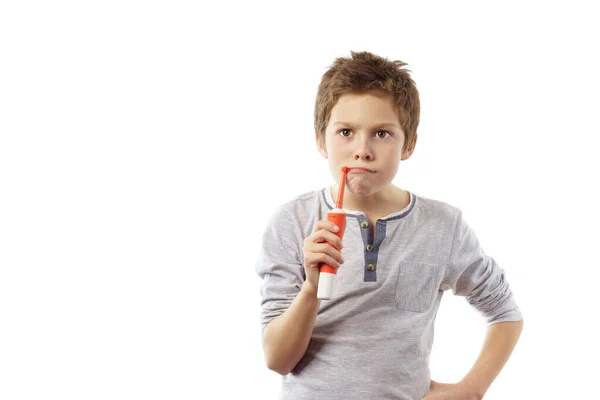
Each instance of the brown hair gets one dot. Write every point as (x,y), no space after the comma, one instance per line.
(365,72)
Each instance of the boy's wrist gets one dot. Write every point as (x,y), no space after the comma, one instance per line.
(472,388)
(309,290)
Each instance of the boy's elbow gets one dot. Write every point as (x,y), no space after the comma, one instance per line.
(275,362)
(275,366)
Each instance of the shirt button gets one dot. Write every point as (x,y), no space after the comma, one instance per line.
(371,267)
(364,224)
(369,247)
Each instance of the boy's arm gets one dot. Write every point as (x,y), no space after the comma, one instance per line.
(289,304)
(500,340)
(473,274)
(286,337)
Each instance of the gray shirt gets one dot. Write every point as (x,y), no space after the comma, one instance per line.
(373,339)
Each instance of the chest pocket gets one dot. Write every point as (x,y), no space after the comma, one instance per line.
(416,286)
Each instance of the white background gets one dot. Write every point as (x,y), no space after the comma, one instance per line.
(144,145)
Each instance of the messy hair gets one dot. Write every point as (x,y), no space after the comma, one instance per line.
(365,72)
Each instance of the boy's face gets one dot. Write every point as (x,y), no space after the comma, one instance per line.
(364,131)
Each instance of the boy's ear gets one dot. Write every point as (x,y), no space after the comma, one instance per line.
(409,149)
(320,146)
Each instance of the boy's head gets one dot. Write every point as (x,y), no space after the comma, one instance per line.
(356,96)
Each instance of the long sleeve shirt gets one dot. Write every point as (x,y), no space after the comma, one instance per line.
(373,339)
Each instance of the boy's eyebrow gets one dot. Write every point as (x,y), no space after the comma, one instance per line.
(378,126)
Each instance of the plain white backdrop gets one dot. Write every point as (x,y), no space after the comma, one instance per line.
(144,145)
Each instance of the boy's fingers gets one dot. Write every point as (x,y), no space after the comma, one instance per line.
(328,225)
(331,238)
(327,249)
(326,236)
(323,236)
(324,258)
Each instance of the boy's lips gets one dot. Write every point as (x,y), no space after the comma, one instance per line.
(360,170)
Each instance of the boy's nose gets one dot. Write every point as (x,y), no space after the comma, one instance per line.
(363,154)
(363,150)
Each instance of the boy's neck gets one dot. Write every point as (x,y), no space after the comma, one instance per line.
(386,201)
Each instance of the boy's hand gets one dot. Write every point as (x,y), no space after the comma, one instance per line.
(317,251)
(450,391)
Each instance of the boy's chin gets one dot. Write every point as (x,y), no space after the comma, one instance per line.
(361,188)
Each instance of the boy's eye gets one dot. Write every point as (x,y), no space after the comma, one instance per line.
(347,132)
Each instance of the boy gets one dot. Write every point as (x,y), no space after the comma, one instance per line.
(400,252)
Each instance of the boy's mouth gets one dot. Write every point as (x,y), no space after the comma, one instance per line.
(360,170)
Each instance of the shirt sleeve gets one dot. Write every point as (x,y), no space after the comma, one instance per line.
(472,273)
(279,266)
